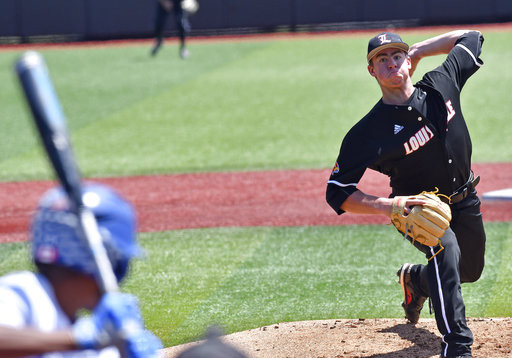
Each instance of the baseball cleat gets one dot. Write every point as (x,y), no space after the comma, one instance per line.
(413,303)
(184,53)
(156,48)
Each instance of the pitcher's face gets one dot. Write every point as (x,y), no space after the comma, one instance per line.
(390,67)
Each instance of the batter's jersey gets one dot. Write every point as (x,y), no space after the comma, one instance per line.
(27,300)
(420,145)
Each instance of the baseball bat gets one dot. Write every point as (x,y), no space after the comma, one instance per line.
(51,125)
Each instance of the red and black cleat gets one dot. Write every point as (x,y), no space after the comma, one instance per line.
(413,303)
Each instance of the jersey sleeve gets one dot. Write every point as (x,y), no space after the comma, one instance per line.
(13,308)
(353,159)
(464,59)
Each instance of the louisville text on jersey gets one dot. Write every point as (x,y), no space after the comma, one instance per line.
(418,140)
(451,110)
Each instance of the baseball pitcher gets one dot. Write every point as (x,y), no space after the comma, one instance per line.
(417,136)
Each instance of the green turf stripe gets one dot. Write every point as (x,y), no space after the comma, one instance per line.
(500,298)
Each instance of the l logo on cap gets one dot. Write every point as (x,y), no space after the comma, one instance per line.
(383,39)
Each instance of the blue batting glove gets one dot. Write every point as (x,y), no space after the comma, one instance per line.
(144,344)
(116,320)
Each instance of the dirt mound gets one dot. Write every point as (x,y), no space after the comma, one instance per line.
(351,338)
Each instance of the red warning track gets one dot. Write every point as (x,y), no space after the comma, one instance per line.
(263,198)
(278,36)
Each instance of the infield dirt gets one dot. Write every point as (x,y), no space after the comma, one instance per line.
(375,338)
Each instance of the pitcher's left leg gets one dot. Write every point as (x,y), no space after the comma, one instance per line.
(445,292)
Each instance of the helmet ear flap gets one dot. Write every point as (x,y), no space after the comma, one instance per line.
(120,270)
(119,261)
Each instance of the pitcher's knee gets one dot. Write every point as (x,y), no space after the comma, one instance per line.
(471,273)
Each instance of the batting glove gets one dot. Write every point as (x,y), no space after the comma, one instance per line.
(116,320)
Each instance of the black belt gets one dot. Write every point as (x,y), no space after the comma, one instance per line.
(462,192)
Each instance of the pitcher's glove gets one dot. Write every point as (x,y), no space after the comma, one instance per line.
(425,223)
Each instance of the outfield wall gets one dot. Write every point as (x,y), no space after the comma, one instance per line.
(36,20)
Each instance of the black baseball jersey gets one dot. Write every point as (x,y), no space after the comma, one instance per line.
(420,145)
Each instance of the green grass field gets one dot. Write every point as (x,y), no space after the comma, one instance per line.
(249,106)
(232,106)
(244,278)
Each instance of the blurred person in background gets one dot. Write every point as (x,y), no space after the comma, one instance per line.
(41,312)
(181,9)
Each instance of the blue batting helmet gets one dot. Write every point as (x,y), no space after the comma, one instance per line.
(57,238)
